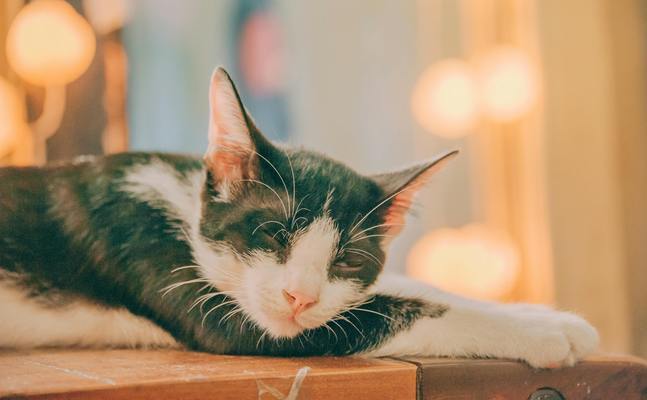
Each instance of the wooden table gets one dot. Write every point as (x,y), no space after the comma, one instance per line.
(168,374)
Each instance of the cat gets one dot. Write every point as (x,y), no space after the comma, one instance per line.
(253,249)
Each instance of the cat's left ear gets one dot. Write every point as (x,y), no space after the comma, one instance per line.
(232,148)
(401,187)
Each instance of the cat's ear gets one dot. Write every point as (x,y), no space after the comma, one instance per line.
(231,152)
(401,187)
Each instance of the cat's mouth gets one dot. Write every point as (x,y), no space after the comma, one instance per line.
(282,325)
(287,325)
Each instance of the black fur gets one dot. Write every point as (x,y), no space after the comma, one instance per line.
(70,231)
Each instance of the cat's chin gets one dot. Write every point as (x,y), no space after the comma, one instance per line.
(282,327)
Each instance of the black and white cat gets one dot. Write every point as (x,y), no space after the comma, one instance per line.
(253,249)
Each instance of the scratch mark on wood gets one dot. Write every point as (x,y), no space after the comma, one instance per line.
(74,372)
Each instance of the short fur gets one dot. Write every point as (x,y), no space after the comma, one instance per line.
(147,249)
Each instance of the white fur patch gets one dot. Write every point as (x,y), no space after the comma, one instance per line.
(537,335)
(27,323)
(161,185)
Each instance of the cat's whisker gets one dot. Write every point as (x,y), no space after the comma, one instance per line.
(342,329)
(353,315)
(341,317)
(230,314)
(212,309)
(186,234)
(227,293)
(298,209)
(372,312)
(227,274)
(245,320)
(331,330)
(203,299)
(279,231)
(371,228)
(207,286)
(287,193)
(364,253)
(295,221)
(363,302)
(174,270)
(355,304)
(202,303)
(369,236)
(268,222)
(376,207)
(294,188)
(260,339)
(285,210)
(176,285)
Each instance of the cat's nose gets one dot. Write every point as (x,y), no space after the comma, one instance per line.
(298,301)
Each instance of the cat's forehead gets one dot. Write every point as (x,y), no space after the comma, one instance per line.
(322,178)
(331,184)
(324,187)
(299,186)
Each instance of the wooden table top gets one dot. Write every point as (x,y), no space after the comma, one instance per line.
(173,374)
(156,374)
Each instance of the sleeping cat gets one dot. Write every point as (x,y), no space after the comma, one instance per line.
(253,249)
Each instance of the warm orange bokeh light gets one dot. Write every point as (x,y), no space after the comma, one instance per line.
(507,83)
(472,261)
(49,43)
(12,114)
(444,99)
(107,16)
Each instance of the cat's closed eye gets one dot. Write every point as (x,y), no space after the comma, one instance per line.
(279,237)
(347,267)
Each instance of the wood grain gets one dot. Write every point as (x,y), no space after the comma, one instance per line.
(167,374)
(170,374)
(600,377)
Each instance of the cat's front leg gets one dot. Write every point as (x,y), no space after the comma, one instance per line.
(540,337)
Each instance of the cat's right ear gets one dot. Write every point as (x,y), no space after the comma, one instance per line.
(231,153)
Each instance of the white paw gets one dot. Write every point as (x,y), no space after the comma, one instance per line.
(555,339)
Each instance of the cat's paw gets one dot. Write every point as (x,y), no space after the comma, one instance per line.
(556,339)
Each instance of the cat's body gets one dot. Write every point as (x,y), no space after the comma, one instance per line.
(251,250)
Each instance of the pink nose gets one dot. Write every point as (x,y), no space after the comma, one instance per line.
(298,301)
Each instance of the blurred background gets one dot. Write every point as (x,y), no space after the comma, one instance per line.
(546,99)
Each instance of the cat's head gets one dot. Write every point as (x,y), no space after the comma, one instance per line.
(293,236)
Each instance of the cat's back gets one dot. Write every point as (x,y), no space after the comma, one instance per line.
(33,181)
(32,197)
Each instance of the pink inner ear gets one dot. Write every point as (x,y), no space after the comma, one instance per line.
(230,144)
(401,203)
(229,164)
(397,212)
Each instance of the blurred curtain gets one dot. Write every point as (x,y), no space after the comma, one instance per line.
(509,180)
(596,161)
(173,47)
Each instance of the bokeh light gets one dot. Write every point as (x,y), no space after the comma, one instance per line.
(12,114)
(472,261)
(107,16)
(507,83)
(49,43)
(444,100)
